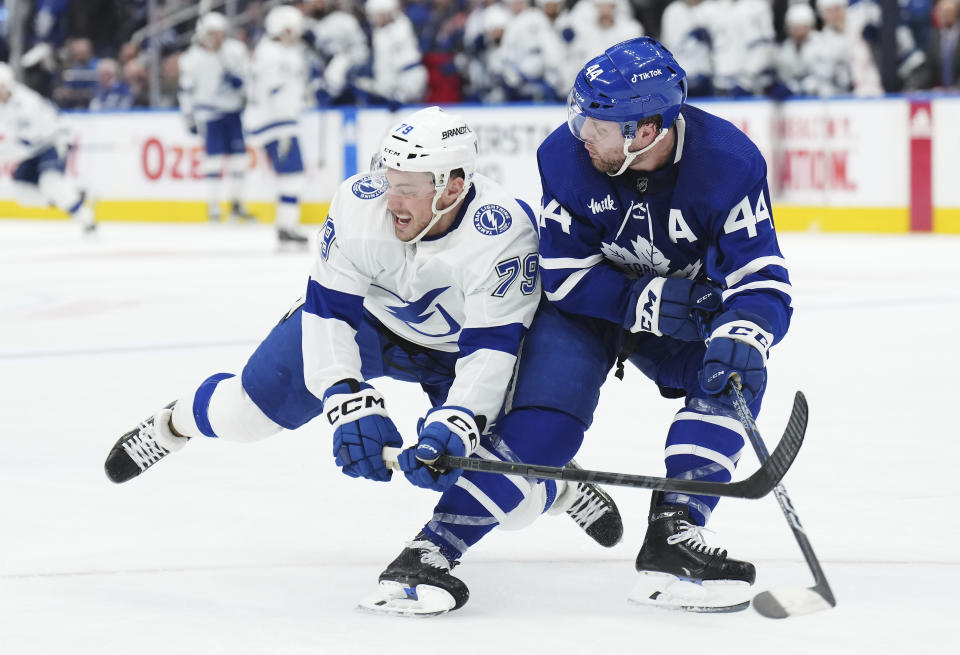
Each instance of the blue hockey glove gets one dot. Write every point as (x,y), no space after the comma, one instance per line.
(361,428)
(445,430)
(738,346)
(665,306)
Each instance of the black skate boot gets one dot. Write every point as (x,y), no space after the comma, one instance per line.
(142,447)
(592,509)
(678,570)
(239,214)
(289,237)
(417,583)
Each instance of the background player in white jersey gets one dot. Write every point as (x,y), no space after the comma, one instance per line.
(213,78)
(398,75)
(650,208)
(427,272)
(340,47)
(278,87)
(32,135)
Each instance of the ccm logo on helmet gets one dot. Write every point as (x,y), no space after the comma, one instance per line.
(457,131)
(645,76)
(353,405)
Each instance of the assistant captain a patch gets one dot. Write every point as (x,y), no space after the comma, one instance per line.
(492,220)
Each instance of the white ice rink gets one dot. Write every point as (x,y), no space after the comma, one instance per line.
(265,548)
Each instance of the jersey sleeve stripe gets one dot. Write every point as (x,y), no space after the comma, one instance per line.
(554,263)
(783,287)
(330,303)
(567,286)
(752,267)
(505,338)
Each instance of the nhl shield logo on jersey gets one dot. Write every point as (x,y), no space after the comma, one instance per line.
(368,187)
(492,220)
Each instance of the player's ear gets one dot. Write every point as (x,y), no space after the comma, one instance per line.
(454,187)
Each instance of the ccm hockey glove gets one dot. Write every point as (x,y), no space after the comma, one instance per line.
(738,346)
(444,430)
(361,428)
(665,306)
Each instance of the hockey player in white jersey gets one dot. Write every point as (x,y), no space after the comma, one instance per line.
(426,272)
(212,95)
(398,74)
(340,45)
(32,135)
(278,87)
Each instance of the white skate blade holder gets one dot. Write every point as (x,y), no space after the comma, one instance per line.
(393,599)
(666,591)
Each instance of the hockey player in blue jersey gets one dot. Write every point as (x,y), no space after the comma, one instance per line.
(653,213)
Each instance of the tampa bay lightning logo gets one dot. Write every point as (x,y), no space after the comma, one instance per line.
(491,220)
(424,313)
(368,187)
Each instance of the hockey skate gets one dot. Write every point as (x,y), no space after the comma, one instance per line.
(417,583)
(591,508)
(290,237)
(142,447)
(239,214)
(679,571)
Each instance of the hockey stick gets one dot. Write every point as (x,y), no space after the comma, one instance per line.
(782,602)
(759,484)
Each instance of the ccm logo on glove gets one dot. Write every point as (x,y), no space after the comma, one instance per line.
(353,404)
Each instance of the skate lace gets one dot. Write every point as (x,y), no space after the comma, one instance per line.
(142,446)
(588,507)
(691,534)
(430,554)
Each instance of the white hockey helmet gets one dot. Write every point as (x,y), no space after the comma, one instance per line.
(7,78)
(211,22)
(381,7)
(800,14)
(282,18)
(436,142)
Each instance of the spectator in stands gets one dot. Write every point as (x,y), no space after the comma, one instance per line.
(79,76)
(864,17)
(112,92)
(684,31)
(441,37)
(135,75)
(397,75)
(942,67)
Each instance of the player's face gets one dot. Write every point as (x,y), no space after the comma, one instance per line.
(604,143)
(4,95)
(410,201)
(213,40)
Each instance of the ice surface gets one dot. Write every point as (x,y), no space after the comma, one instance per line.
(265,548)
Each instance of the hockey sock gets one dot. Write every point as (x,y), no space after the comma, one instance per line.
(702,447)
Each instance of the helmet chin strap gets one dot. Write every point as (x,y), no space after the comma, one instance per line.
(631,155)
(437,213)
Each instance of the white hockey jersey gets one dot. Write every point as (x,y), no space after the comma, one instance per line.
(744,43)
(213,83)
(817,67)
(29,124)
(398,70)
(472,290)
(278,82)
(342,45)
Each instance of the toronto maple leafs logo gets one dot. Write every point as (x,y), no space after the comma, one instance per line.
(424,313)
(645,258)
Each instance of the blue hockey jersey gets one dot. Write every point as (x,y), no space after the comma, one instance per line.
(707,215)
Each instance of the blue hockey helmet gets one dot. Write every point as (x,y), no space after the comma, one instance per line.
(629,82)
